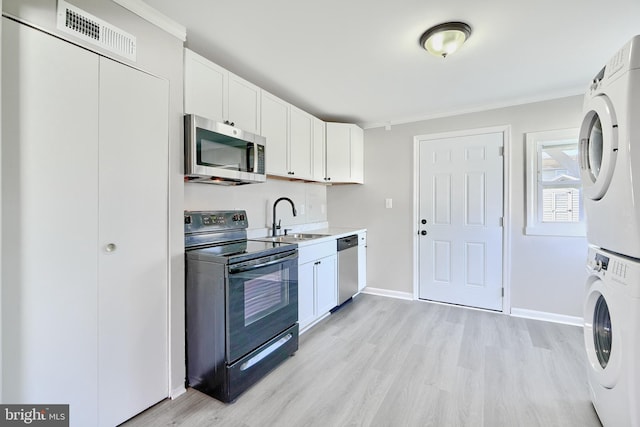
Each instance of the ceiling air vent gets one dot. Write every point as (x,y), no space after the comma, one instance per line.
(87,27)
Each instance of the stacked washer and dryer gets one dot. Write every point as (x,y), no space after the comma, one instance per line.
(610,170)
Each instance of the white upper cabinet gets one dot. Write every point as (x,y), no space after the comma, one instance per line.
(289,134)
(275,128)
(205,87)
(357,155)
(243,104)
(319,151)
(300,143)
(345,153)
(215,93)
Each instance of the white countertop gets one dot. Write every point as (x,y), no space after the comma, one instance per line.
(332,233)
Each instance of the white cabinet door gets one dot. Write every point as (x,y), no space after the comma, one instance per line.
(357,155)
(275,128)
(50,213)
(205,87)
(345,153)
(300,143)
(319,151)
(306,294)
(326,285)
(362,261)
(244,104)
(132,300)
(338,152)
(213,92)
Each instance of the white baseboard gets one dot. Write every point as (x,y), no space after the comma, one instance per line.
(177,392)
(387,293)
(547,317)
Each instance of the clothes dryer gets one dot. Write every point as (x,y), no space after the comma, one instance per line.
(612,337)
(610,153)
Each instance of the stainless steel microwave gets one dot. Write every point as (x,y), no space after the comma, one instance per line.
(218,153)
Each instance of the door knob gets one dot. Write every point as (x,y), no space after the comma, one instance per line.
(423,232)
(111,247)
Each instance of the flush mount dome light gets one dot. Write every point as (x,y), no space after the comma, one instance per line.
(444,39)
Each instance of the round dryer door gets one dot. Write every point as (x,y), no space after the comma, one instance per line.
(598,147)
(601,341)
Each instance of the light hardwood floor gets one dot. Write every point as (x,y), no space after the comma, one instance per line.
(389,362)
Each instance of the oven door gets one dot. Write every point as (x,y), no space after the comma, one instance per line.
(262,301)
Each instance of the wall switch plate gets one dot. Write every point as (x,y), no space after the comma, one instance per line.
(388,203)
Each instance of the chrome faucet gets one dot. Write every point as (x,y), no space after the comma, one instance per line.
(277,226)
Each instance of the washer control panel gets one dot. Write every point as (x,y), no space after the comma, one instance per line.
(615,269)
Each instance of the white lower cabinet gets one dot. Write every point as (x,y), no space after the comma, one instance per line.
(317,282)
(84,172)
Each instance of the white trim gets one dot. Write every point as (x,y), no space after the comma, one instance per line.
(547,317)
(506,220)
(478,108)
(314,323)
(158,19)
(387,293)
(506,216)
(177,392)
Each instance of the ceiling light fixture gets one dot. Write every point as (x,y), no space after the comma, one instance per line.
(444,39)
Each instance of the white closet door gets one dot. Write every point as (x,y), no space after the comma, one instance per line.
(133,260)
(50,208)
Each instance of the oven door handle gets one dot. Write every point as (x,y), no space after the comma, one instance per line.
(251,266)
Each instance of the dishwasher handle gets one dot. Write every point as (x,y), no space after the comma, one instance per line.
(347,242)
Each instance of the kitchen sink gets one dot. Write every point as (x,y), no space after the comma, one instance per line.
(292,238)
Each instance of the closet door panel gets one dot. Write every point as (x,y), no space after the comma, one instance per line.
(49,214)
(133,260)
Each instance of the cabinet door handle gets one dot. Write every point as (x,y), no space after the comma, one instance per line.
(111,247)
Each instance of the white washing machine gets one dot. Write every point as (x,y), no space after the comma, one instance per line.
(612,337)
(610,153)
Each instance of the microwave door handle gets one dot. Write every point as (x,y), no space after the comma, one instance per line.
(255,157)
(249,155)
(242,269)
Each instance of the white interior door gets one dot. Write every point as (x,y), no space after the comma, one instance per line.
(460,220)
(133,138)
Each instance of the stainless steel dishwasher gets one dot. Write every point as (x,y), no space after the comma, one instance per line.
(347,268)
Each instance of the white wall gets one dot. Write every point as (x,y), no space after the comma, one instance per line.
(257,199)
(547,273)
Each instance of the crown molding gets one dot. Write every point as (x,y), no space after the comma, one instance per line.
(158,19)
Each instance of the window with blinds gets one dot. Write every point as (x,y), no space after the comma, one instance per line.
(554,190)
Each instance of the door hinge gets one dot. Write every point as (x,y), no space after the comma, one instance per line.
(503,292)
(501,222)
(501,151)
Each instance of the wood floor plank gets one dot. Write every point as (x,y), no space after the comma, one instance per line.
(387,362)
